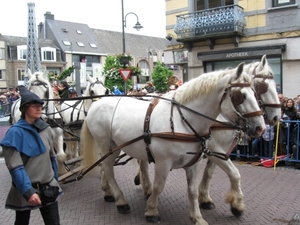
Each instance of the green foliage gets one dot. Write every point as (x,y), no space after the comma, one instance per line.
(160,77)
(63,75)
(113,77)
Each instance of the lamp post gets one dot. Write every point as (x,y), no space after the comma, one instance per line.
(137,26)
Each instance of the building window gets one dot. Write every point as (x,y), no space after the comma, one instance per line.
(209,4)
(277,3)
(1,77)
(80,44)
(274,63)
(1,53)
(93,45)
(48,54)
(22,52)
(21,74)
(181,57)
(144,66)
(78,32)
(67,43)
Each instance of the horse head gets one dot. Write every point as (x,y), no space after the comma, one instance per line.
(239,96)
(265,87)
(96,86)
(40,85)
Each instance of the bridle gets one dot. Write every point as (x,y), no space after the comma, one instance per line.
(91,92)
(237,98)
(261,87)
(38,82)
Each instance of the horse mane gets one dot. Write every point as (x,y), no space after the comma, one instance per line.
(201,85)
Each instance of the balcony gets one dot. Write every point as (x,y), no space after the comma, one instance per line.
(210,24)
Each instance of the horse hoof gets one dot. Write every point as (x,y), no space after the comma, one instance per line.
(109,198)
(153,219)
(123,209)
(236,212)
(207,205)
(137,180)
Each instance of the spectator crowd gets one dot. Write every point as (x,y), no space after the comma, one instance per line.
(284,137)
(6,100)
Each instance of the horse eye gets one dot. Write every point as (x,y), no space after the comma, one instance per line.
(244,96)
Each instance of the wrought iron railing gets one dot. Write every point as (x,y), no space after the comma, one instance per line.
(221,20)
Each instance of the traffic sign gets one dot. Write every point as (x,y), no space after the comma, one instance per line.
(125,73)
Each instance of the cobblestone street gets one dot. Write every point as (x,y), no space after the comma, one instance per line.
(271,197)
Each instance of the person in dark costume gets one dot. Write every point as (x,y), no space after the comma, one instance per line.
(63,90)
(30,158)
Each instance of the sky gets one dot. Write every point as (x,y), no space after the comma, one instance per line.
(98,14)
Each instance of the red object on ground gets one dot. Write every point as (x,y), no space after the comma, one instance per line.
(270,162)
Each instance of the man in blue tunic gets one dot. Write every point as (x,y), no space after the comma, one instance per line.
(31,161)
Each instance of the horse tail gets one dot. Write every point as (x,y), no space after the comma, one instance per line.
(88,146)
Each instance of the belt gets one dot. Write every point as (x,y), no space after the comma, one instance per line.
(35,185)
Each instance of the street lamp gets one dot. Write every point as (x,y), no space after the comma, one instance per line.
(137,26)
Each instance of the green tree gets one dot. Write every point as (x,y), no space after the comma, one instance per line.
(63,75)
(113,77)
(160,77)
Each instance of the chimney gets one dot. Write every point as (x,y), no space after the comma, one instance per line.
(40,30)
(49,16)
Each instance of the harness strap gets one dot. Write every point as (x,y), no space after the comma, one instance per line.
(147,132)
(199,137)
(163,135)
(257,113)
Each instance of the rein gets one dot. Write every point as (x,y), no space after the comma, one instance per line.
(175,136)
(261,88)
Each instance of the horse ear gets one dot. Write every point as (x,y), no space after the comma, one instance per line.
(29,73)
(90,79)
(102,78)
(44,70)
(263,61)
(240,69)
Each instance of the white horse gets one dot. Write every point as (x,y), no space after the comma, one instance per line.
(222,139)
(39,84)
(74,112)
(173,142)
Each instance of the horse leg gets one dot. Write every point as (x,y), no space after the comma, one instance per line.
(160,177)
(58,144)
(235,196)
(121,202)
(108,195)
(60,154)
(137,180)
(193,180)
(145,178)
(205,201)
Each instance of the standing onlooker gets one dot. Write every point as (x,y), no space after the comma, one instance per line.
(149,87)
(281,98)
(268,137)
(30,158)
(242,145)
(290,113)
(3,102)
(4,105)
(297,103)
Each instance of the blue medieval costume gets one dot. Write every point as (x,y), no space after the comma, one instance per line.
(31,161)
